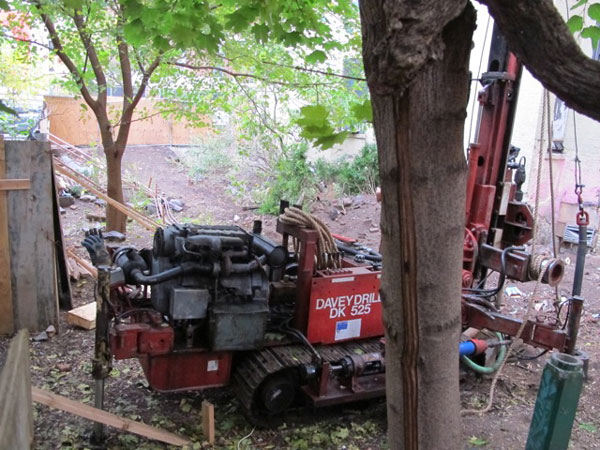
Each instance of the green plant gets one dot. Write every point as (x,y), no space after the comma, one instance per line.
(293,179)
(352,176)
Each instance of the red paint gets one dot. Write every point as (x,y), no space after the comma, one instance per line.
(344,305)
(189,369)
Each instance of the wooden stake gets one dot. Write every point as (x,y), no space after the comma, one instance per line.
(98,415)
(208,421)
(7,320)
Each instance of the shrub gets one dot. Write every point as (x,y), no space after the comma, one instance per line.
(352,176)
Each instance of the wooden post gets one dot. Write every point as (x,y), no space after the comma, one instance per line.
(16,413)
(208,421)
(7,320)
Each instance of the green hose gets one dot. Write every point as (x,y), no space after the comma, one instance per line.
(486,370)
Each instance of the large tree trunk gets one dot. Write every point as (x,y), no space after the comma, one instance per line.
(419,134)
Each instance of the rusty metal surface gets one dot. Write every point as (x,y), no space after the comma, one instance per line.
(534,333)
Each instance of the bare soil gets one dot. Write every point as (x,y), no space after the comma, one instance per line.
(63,363)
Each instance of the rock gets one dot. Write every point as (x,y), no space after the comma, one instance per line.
(62,210)
(95,217)
(373,229)
(178,202)
(333,213)
(43,336)
(50,331)
(66,200)
(347,201)
(236,218)
(87,198)
(73,206)
(100,202)
(151,208)
(114,236)
(63,367)
(176,205)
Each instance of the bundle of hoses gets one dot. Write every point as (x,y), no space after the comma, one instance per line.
(328,256)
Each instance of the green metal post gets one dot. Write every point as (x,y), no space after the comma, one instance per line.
(556,403)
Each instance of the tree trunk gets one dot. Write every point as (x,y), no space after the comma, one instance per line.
(419,133)
(115,219)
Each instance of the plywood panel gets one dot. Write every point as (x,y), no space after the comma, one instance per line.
(31,236)
(77,125)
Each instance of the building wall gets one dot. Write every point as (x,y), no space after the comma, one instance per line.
(74,123)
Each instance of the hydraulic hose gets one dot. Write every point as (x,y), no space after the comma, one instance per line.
(486,370)
(149,280)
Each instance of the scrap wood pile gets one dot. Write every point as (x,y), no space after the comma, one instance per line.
(79,266)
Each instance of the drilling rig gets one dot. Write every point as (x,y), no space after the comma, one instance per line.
(299,321)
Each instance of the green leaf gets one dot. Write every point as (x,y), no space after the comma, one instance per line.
(313,115)
(594,12)
(326,142)
(363,112)
(134,32)
(590,427)
(578,4)
(6,109)
(74,4)
(261,32)
(575,23)
(4,5)
(316,57)
(477,441)
(237,21)
(593,33)
(292,39)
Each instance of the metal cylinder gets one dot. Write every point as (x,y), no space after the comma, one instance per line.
(580,264)
(556,403)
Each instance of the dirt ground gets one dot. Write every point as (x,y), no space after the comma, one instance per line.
(63,363)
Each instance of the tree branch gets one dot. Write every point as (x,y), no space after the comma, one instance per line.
(299,68)
(129,106)
(538,35)
(15,38)
(58,48)
(247,75)
(93,56)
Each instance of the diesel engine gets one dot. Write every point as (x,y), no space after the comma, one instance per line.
(210,283)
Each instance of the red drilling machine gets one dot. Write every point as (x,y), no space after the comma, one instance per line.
(291,322)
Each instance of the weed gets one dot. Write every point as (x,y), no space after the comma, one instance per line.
(293,179)
(352,176)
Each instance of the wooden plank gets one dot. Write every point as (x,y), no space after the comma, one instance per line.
(208,421)
(7,320)
(16,414)
(65,301)
(98,415)
(31,236)
(15,184)
(83,316)
(83,263)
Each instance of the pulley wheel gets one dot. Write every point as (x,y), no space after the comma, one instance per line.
(277,394)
